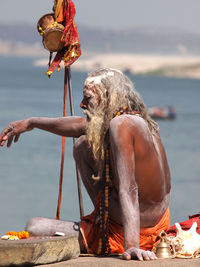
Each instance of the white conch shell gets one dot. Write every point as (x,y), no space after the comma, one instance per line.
(187,243)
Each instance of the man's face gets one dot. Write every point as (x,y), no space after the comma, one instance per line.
(90,97)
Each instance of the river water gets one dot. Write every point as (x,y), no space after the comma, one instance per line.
(29,170)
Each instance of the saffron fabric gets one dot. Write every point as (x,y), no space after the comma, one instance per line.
(91,233)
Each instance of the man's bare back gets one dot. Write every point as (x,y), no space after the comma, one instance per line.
(151,169)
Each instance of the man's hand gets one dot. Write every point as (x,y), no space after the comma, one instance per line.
(13,131)
(139,254)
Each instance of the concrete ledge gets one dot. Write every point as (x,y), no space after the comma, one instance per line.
(117,262)
(38,251)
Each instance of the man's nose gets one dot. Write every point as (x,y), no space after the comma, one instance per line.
(82,105)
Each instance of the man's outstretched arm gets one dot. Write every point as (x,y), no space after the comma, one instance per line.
(71,126)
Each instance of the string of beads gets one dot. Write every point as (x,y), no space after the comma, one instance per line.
(104,246)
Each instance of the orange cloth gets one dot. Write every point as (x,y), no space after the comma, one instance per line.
(60,15)
(91,232)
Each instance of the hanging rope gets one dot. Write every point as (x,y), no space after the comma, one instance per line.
(63,147)
(67,81)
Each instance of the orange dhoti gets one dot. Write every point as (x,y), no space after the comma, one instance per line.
(91,232)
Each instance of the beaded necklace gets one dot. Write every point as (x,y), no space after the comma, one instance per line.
(104,246)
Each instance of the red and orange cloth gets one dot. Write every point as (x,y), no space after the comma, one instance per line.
(91,232)
(186,225)
(71,51)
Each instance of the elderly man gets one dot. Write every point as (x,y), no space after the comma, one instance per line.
(123,166)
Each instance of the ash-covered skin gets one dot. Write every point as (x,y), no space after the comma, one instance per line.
(141,176)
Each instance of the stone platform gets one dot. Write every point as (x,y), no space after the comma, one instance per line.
(36,251)
(63,252)
(117,262)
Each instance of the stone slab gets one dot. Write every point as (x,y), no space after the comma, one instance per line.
(117,262)
(38,251)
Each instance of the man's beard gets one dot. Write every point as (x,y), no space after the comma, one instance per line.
(95,133)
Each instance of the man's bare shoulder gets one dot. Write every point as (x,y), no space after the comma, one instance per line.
(129,122)
(135,129)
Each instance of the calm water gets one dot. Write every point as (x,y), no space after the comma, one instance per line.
(29,170)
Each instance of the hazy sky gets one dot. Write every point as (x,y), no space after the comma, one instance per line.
(182,14)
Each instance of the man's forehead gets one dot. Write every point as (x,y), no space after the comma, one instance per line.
(97,79)
(93,80)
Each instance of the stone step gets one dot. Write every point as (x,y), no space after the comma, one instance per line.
(38,251)
(117,262)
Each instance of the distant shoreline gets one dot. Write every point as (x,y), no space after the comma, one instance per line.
(182,65)
(185,66)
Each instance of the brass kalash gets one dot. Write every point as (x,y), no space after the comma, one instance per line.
(164,249)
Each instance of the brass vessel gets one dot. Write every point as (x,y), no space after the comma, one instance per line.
(164,250)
